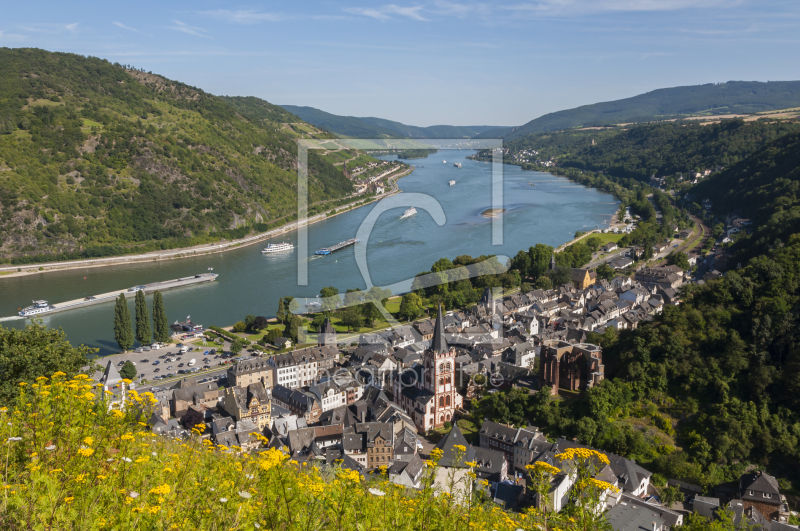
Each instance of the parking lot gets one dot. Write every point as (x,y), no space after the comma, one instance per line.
(162,366)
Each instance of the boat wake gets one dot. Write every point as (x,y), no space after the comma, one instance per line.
(11,318)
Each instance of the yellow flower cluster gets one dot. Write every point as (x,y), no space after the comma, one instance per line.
(582,454)
(161,490)
(541,466)
(89,466)
(603,485)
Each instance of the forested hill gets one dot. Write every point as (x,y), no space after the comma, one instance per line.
(98,159)
(369,127)
(661,149)
(765,188)
(733,97)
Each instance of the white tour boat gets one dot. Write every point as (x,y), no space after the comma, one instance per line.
(278,247)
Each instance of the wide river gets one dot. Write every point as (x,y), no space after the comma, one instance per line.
(249,282)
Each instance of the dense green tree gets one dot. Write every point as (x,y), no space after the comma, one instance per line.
(353,297)
(160,323)
(540,255)
(559,276)
(236,347)
(26,354)
(143,333)
(679,259)
(281,314)
(330,298)
(544,282)
(123,331)
(605,271)
(294,328)
(410,306)
(272,335)
(351,317)
(128,370)
(375,296)
(239,327)
(260,323)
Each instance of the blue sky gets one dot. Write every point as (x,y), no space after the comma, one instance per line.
(427,62)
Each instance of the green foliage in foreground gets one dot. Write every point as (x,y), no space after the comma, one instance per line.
(34,351)
(73,462)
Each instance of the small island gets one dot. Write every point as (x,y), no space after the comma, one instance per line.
(492,212)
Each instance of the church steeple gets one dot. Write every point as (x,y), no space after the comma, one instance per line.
(552,261)
(439,342)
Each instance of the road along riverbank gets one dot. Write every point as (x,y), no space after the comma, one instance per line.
(187,252)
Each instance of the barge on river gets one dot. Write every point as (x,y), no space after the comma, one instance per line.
(341,245)
(42,307)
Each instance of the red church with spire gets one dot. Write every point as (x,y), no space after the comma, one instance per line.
(427,391)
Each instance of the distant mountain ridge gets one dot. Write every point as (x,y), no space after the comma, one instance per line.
(733,97)
(370,127)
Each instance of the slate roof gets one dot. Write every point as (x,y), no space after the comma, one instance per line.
(439,341)
(507,494)
(629,517)
(111,375)
(353,441)
(759,482)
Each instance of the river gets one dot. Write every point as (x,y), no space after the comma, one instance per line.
(251,283)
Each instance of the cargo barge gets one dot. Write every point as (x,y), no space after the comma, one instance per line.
(328,250)
(42,307)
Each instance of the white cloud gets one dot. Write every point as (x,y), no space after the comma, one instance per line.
(9,38)
(243,16)
(460,9)
(123,26)
(190,30)
(44,27)
(388,12)
(583,7)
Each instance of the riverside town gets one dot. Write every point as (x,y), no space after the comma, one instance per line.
(260,271)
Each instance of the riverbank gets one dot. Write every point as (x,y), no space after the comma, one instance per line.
(188,252)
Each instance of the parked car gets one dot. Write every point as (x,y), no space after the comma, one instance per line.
(191,349)
(120,364)
(138,350)
(171,375)
(169,368)
(206,367)
(180,365)
(146,349)
(145,361)
(181,371)
(156,362)
(157,370)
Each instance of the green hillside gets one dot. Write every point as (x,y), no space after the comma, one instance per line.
(662,149)
(97,159)
(764,188)
(733,97)
(352,127)
(669,148)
